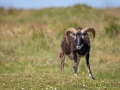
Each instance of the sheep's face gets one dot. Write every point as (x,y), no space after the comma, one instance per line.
(78,37)
(79,40)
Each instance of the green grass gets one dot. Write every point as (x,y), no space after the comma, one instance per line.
(30,46)
(35,75)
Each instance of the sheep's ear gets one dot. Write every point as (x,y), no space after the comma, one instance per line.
(73,35)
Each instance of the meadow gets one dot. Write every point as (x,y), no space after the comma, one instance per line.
(30,46)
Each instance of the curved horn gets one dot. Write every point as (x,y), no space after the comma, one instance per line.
(88,29)
(68,31)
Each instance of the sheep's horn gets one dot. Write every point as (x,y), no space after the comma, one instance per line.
(88,29)
(68,31)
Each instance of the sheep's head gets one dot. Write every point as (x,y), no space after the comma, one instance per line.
(78,35)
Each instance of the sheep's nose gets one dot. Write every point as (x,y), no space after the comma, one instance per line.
(79,47)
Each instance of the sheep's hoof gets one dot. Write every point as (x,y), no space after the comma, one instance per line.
(90,75)
(75,74)
(92,78)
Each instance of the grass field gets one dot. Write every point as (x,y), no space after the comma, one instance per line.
(30,46)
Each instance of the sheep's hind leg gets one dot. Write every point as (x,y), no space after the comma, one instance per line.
(62,56)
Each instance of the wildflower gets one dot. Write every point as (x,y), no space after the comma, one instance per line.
(83,73)
(83,85)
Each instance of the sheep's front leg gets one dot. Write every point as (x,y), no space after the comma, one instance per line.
(76,63)
(88,66)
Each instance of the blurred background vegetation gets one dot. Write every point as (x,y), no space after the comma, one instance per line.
(30,46)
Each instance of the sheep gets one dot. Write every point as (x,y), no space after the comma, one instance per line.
(76,44)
